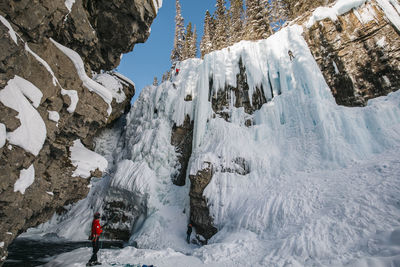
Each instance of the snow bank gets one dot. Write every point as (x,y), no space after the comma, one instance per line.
(26,179)
(32,132)
(2,135)
(87,82)
(112,84)
(339,8)
(11,31)
(85,160)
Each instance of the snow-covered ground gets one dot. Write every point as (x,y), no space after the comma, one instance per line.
(323,187)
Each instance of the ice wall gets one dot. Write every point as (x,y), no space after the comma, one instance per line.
(322,187)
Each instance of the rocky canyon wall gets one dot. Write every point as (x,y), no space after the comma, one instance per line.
(55,89)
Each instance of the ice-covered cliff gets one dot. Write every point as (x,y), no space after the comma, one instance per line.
(277,174)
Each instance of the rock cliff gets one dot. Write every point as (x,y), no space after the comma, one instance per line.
(55,75)
(359,54)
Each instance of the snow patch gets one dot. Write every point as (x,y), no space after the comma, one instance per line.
(73,96)
(69,4)
(124,78)
(2,135)
(339,8)
(157,4)
(85,160)
(11,31)
(113,84)
(87,82)
(335,67)
(50,193)
(382,42)
(32,132)
(365,15)
(391,8)
(1,244)
(54,116)
(26,179)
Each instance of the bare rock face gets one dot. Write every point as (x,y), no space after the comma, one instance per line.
(359,56)
(199,213)
(32,55)
(182,138)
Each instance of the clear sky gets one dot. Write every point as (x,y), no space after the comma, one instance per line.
(153,57)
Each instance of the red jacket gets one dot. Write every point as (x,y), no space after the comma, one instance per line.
(96,229)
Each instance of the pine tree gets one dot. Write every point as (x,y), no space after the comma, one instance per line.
(176,54)
(188,42)
(257,20)
(278,14)
(221,25)
(193,44)
(236,21)
(206,40)
(288,8)
(155,81)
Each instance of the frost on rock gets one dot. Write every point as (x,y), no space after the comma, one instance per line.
(87,82)
(32,132)
(26,179)
(85,160)
(2,135)
(11,31)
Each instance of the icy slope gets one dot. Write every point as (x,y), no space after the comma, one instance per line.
(323,187)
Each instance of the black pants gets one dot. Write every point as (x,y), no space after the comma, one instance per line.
(96,247)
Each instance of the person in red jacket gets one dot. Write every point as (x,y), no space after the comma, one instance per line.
(95,235)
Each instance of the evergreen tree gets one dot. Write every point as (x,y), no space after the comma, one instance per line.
(288,8)
(257,20)
(236,21)
(186,53)
(155,81)
(176,54)
(193,44)
(206,40)
(221,25)
(278,14)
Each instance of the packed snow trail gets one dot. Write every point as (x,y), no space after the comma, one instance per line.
(323,187)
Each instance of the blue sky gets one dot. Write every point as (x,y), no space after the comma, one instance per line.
(153,57)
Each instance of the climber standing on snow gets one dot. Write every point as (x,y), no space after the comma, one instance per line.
(95,236)
(188,233)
